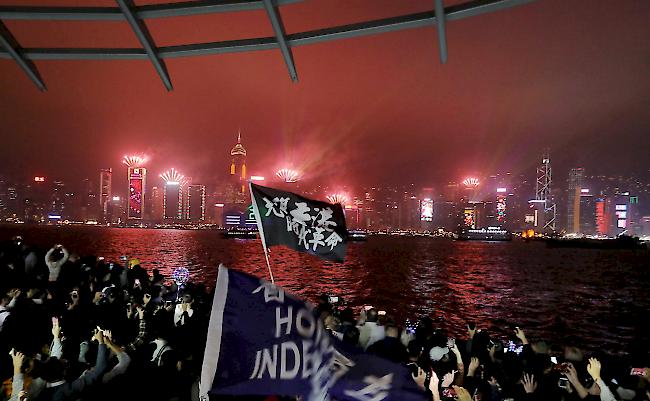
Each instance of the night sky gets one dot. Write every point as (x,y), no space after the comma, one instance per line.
(572,75)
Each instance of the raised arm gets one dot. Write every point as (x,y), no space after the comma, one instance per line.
(123,361)
(572,375)
(56,349)
(594,371)
(18,378)
(98,370)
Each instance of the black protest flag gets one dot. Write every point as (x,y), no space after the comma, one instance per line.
(306,225)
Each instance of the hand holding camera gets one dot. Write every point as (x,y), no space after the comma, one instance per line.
(98,335)
(448,378)
(521,335)
(462,394)
(17,358)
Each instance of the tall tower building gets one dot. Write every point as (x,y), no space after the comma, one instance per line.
(173,195)
(195,203)
(137,180)
(157,203)
(576,176)
(544,208)
(137,183)
(105,191)
(238,165)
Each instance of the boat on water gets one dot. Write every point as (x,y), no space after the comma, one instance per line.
(621,242)
(357,235)
(484,234)
(240,233)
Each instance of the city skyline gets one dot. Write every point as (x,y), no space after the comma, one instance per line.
(587,204)
(364,109)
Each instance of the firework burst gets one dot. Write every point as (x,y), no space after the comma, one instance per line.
(337,198)
(287,175)
(471,182)
(134,160)
(173,177)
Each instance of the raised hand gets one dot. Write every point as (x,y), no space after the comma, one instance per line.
(433,383)
(140,312)
(471,331)
(98,336)
(571,372)
(494,383)
(530,385)
(146,298)
(462,394)
(448,378)
(492,350)
(56,328)
(473,365)
(17,358)
(419,378)
(594,368)
(521,335)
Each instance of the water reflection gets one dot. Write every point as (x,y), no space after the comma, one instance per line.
(556,294)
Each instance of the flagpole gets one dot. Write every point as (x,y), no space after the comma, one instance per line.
(260,228)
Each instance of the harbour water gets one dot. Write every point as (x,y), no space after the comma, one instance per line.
(594,298)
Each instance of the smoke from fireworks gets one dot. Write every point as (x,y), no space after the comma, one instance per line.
(173,177)
(134,160)
(287,175)
(337,198)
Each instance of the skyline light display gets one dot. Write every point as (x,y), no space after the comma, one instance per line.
(287,175)
(469,217)
(426,210)
(337,198)
(134,160)
(501,208)
(136,194)
(471,182)
(172,177)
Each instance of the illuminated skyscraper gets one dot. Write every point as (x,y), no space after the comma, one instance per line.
(173,195)
(137,180)
(156,203)
(501,205)
(587,213)
(137,183)
(105,191)
(602,215)
(543,208)
(576,176)
(238,166)
(195,203)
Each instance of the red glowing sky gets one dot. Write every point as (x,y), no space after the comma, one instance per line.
(572,75)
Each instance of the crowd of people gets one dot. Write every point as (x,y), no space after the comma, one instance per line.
(85,328)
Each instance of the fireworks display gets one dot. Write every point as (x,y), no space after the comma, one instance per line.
(287,175)
(173,177)
(337,198)
(471,182)
(134,160)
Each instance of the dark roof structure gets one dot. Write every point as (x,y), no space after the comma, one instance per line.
(136,16)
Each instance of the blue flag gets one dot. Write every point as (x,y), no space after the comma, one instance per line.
(264,341)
